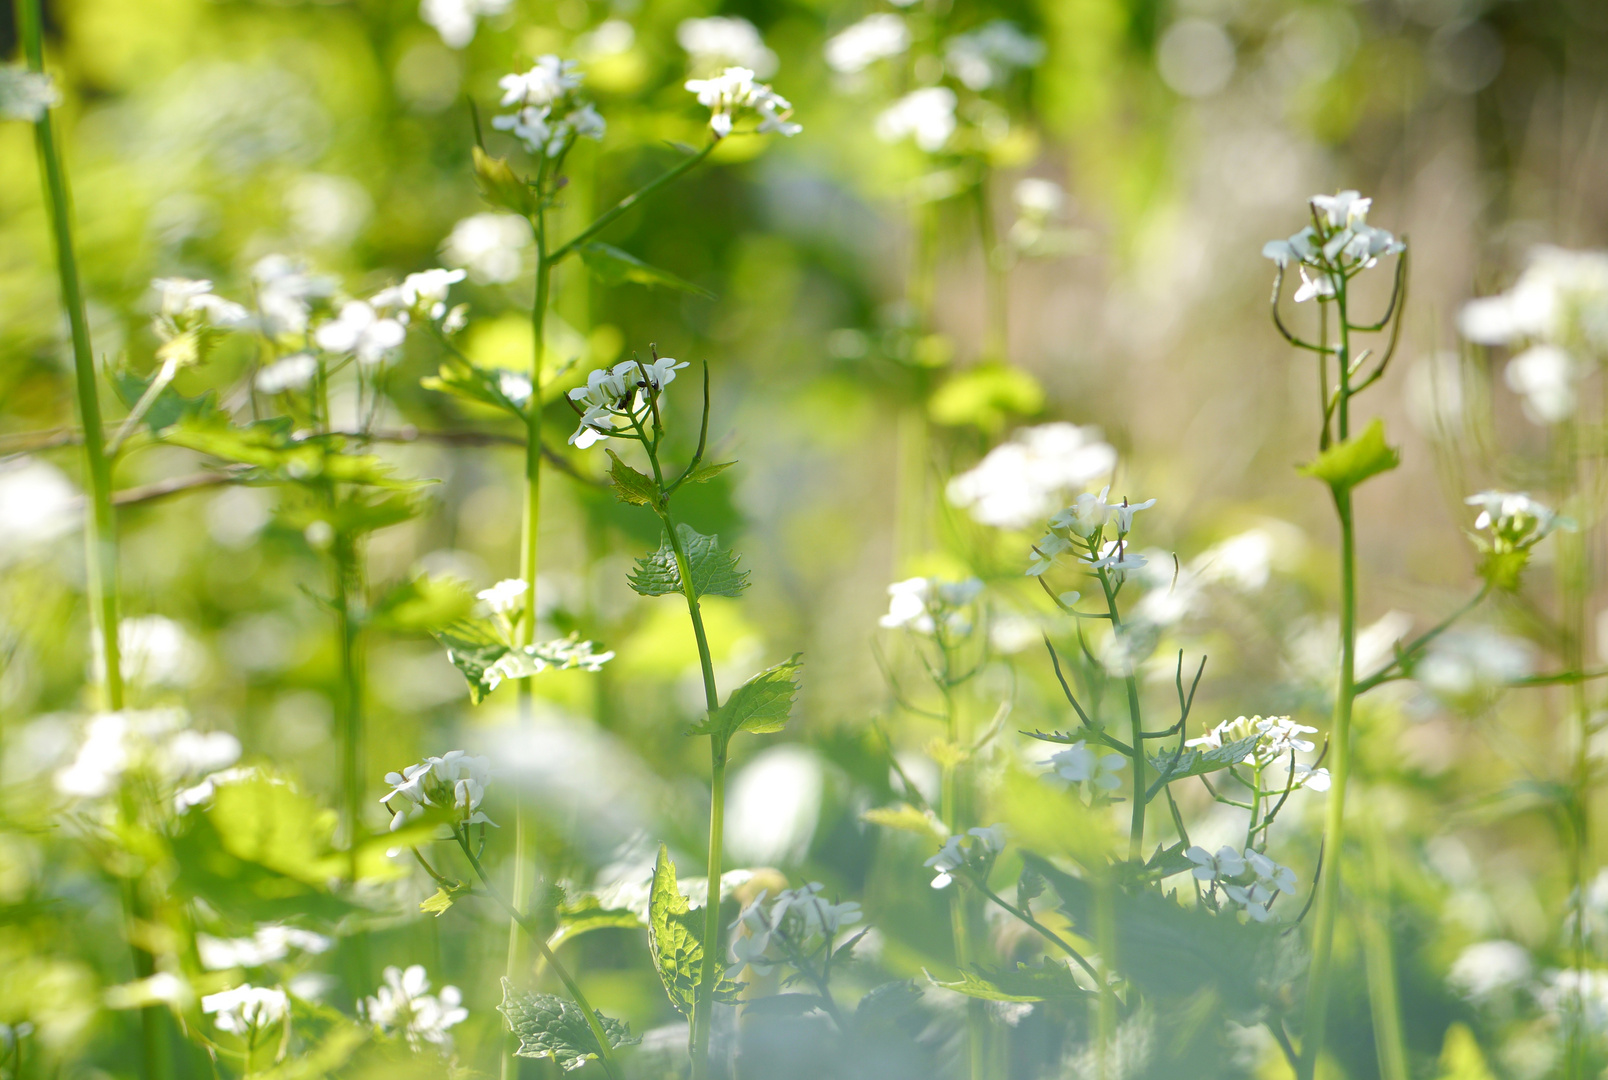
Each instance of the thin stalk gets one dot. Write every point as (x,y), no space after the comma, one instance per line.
(1379,957)
(524,876)
(1136,826)
(1574,582)
(951,807)
(703,1006)
(522,922)
(349,618)
(996,339)
(1318,976)
(101,535)
(608,216)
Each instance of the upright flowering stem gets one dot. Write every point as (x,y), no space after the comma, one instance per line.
(1575,587)
(1136,826)
(101,536)
(1380,954)
(349,617)
(1318,976)
(952,809)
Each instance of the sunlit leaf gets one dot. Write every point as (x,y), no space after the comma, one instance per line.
(1049,981)
(675,937)
(551,1027)
(1173,766)
(1345,465)
(760,705)
(714,569)
(616,267)
(631,486)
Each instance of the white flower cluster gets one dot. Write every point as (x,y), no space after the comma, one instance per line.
(876,37)
(1558,309)
(246,1008)
(979,846)
(1081,763)
(1024,479)
(734,92)
(926,115)
(155,741)
(989,55)
(1340,244)
(490,246)
(795,917)
(548,114)
(403,1005)
(286,293)
(619,397)
(1514,520)
(922,605)
(721,41)
(190,304)
(268,944)
(1087,519)
(1250,879)
(1038,203)
(1277,738)
(506,598)
(454,779)
(455,20)
(25,95)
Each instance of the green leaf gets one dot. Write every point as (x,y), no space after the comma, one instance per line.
(705,473)
(422,604)
(1029,886)
(323,1060)
(761,705)
(886,1006)
(497,387)
(631,486)
(477,649)
(1171,767)
(1345,465)
(985,396)
(586,914)
(1504,568)
(616,267)
(675,937)
(550,1027)
(441,901)
(1049,981)
(169,408)
(714,569)
(500,186)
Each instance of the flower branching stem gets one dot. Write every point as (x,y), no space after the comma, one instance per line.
(1136,826)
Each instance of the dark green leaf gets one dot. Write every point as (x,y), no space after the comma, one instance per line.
(1171,767)
(886,1005)
(1049,981)
(1345,465)
(616,267)
(1029,887)
(760,705)
(550,1027)
(714,569)
(631,486)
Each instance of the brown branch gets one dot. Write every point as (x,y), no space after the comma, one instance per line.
(161,489)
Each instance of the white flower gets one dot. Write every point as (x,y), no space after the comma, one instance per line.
(734,91)
(425,291)
(1087,515)
(1320,286)
(360,330)
(294,372)
(1227,863)
(1081,763)
(186,302)
(24,94)
(1124,514)
(155,651)
(490,246)
(1487,969)
(1118,557)
(1468,659)
(455,20)
(991,837)
(1343,210)
(1225,733)
(875,37)
(285,292)
(1024,479)
(1561,299)
(1514,519)
(454,779)
(404,1005)
(921,605)
(1546,377)
(987,56)
(1281,735)
(749,949)
(722,41)
(268,944)
(1280,878)
(245,1008)
(506,597)
(614,397)
(1347,243)
(927,115)
(548,80)
(950,857)
(1315,779)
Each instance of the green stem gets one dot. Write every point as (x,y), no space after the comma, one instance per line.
(1318,976)
(703,1007)
(952,811)
(1380,959)
(102,533)
(996,338)
(608,216)
(349,618)
(1575,587)
(1136,826)
(533,932)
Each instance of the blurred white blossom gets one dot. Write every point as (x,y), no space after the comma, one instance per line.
(286,291)
(38,505)
(926,115)
(733,93)
(403,1005)
(1468,659)
(490,246)
(1487,969)
(989,55)
(294,372)
(244,1008)
(1081,763)
(548,114)
(455,20)
(157,741)
(268,944)
(363,332)
(923,605)
(24,94)
(875,37)
(721,41)
(1022,480)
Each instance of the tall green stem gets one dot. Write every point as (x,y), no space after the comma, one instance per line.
(524,828)
(703,1007)
(952,809)
(1136,825)
(102,532)
(349,618)
(1379,953)
(1575,589)
(1317,1003)
(996,337)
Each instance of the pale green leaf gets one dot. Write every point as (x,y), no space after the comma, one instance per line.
(1345,465)
(760,705)
(631,486)
(1171,767)
(675,938)
(1049,981)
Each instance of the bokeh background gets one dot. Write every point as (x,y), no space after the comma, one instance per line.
(855,368)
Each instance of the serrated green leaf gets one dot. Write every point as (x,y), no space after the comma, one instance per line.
(705,473)
(440,902)
(497,387)
(760,705)
(550,1027)
(675,938)
(616,267)
(906,818)
(631,486)
(714,569)
(1049,981)
(476,648)
(1171,767)
(1345,465)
